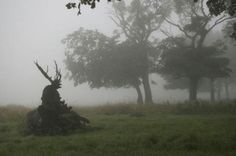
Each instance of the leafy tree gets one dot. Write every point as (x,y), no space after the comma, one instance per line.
(192,64)
(127,67)
(138,21)
(101,61)
(194,24)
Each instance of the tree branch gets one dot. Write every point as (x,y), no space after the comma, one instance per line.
(202,9)
(179,27)
(172,38)
(218,21)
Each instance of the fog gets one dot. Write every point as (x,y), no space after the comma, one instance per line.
(32,30)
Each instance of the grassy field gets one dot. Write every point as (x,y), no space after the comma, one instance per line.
(199,129)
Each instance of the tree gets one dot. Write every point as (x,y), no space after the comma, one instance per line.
(138,21)
(193,64)
(127,67)
(101,61)
(194,24)
(217,67)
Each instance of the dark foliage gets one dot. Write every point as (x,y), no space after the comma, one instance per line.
(184,62)
(217,7)
(192,65)
(101,61)
(77,5)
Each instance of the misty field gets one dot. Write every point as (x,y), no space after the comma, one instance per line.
(199,129)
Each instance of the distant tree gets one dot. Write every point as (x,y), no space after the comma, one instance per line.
(194,23)
(229,30)
(138,21)
(225,85)
(217,67)
(192,64)
(101,61)
(84,49)
(127,65)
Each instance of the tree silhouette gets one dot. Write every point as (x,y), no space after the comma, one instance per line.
(138,22)
(101,61)
(194,24)
(193,64)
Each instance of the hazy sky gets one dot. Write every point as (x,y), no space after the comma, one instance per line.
(32,30)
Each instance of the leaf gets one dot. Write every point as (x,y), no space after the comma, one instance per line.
(93,5)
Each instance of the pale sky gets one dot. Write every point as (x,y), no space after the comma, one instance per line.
(32,30)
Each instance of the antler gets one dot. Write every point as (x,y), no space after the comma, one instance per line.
(43,72)
(58,72)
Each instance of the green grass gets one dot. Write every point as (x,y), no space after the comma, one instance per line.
(199,129)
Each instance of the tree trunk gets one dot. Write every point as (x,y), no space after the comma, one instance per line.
(212,89)
(147,89)
(227,89)
(193,89)
(145,75)
(219,90)
(140,96)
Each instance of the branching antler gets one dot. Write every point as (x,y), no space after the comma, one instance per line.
(58,72)
(57,79)
(45,74)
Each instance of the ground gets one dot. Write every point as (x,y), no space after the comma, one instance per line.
(130,130)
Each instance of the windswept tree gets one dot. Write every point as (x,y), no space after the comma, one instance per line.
(101,61)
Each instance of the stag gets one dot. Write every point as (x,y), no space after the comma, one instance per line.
(53,116)
(56,83)
(50,94)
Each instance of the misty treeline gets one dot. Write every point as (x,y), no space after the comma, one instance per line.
(187,57)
